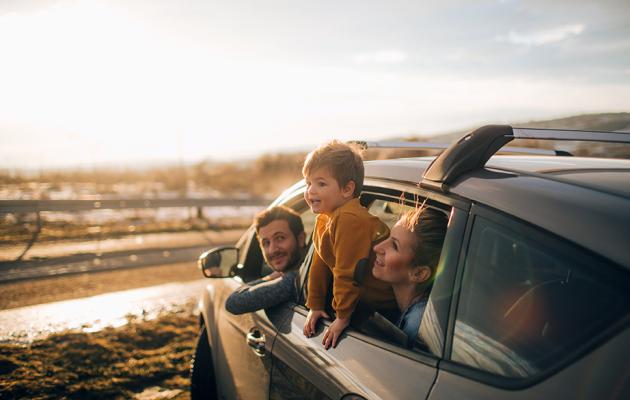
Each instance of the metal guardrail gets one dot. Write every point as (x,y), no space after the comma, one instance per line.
(12,206)
(38,206)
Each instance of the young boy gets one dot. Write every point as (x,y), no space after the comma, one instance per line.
(344,234)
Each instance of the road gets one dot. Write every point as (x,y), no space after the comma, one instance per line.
(89,314)
(76,287)
(73,257)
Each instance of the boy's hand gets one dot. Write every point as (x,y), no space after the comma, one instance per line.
(334,331)
(311,321)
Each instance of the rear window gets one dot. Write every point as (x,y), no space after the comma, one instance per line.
(526,305)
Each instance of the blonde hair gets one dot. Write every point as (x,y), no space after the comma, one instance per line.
(429,228)
(344,162)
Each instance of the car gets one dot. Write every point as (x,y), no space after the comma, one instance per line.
(531,299)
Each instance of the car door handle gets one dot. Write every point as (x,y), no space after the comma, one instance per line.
(256,340)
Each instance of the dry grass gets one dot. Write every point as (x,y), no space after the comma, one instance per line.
(113,363)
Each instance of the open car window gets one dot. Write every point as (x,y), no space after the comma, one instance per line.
(385,326)
(388,211)
(380,326)
(255,255)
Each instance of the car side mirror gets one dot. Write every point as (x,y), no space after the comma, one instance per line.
(220,262)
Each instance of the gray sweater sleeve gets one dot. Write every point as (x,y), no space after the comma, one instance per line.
(262,294)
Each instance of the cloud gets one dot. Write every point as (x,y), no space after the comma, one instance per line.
(542,37)
(381,57)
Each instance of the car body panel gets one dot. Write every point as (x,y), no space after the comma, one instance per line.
(560,208)
(240,371)
(355,366)
(602,374)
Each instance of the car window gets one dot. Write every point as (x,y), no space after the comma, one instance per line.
(525,305)
(250,257)
(388,211)
(381,326)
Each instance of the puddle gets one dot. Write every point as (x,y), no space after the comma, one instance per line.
(91,314)
(157,393)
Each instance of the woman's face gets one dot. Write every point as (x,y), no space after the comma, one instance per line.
(394,256)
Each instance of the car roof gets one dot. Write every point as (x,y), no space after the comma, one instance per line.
(609,175)
(612,175)
(585,200)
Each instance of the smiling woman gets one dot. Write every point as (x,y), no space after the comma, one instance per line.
(408,260)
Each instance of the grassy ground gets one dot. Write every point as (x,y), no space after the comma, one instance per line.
(144,359)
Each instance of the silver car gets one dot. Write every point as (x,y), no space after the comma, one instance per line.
(531,299)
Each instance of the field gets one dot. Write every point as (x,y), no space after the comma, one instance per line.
(148,359)
(144,359)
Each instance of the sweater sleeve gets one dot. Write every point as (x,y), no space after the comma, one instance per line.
(352,242)
(318,283)
(263,294)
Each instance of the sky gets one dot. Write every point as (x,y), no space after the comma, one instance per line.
(87,83)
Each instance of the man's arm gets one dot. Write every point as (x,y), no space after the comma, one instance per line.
(262,294)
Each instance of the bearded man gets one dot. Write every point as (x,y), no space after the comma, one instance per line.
(282,240)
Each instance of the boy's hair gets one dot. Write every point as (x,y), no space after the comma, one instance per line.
(344,162)
(429,228)
(269,215)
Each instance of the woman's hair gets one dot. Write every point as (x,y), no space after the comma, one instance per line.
(429,228)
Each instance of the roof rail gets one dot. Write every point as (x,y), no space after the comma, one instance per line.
(443,146)
(472,151)
(387,144)
(565,134)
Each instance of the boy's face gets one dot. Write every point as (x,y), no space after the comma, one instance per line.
(323,193)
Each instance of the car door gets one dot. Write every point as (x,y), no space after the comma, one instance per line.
(534,317)
(364,364)
(242,343)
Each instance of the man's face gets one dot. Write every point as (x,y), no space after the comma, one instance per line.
(279,245)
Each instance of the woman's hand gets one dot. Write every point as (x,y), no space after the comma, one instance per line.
(311,321)
(334,331)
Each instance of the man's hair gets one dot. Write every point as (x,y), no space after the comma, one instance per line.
(429,228)
(269,215)
(344,162)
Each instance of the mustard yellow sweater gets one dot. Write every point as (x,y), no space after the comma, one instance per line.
(341,239)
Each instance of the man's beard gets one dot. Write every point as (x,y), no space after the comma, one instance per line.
(292,260)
